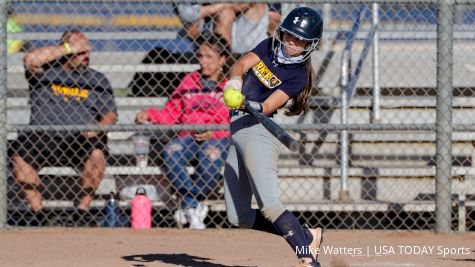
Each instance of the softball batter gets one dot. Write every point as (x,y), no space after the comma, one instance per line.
(276,71)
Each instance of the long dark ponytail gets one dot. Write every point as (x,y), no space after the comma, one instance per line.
(300,102)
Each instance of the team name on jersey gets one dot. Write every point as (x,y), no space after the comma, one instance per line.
(264,75)
(70,92)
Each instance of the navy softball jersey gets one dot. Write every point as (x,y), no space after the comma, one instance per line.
(266,77)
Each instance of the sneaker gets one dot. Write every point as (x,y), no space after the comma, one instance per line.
(202,210)
(192,215)
(314,247)
(180,217)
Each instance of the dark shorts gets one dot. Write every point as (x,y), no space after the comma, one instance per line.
(276,7)
(45,149)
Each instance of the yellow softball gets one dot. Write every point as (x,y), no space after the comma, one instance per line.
(233,98)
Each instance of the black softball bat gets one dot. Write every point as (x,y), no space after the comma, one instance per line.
(274,129)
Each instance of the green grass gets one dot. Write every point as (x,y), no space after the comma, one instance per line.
(121,92)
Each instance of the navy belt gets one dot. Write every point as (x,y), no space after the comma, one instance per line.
(235,112)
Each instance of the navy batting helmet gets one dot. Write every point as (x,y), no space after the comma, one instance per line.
(303,23)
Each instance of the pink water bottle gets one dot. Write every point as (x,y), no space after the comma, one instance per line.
(141,211)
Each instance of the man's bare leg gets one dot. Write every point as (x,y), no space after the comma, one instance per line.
(94,169)
(224,23)
(256,12)
(28,179)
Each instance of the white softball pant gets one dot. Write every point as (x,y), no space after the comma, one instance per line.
(251,169)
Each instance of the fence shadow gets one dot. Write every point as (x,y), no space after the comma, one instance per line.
(181,259)
(461,260)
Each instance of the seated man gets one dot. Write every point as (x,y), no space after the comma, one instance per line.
(64,91)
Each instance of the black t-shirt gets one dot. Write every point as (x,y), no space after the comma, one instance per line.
(266,77)
(59,97)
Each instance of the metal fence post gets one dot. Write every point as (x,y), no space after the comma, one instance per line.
(444,116)
(344,194)
(327,13)
(376,116)
(3,114)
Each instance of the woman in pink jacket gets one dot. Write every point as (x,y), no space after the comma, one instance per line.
(197,100)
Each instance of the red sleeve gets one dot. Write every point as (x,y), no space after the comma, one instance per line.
(221,134)
(172,111)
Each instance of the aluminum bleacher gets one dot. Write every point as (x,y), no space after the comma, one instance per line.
(418,72)
(379,160)
(123,33)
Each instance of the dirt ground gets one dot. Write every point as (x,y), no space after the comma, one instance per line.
(230,247)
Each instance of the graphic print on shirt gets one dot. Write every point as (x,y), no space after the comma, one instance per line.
(203,98)
(265,76)
(67,92)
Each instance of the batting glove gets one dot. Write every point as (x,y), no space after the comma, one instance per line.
(233,83)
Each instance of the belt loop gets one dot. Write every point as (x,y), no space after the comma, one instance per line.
(233,112)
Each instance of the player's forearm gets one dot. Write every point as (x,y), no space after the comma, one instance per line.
(40,56)
(244,64)
(274,102)
(237,70)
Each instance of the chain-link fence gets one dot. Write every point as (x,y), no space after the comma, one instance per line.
(104,97)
